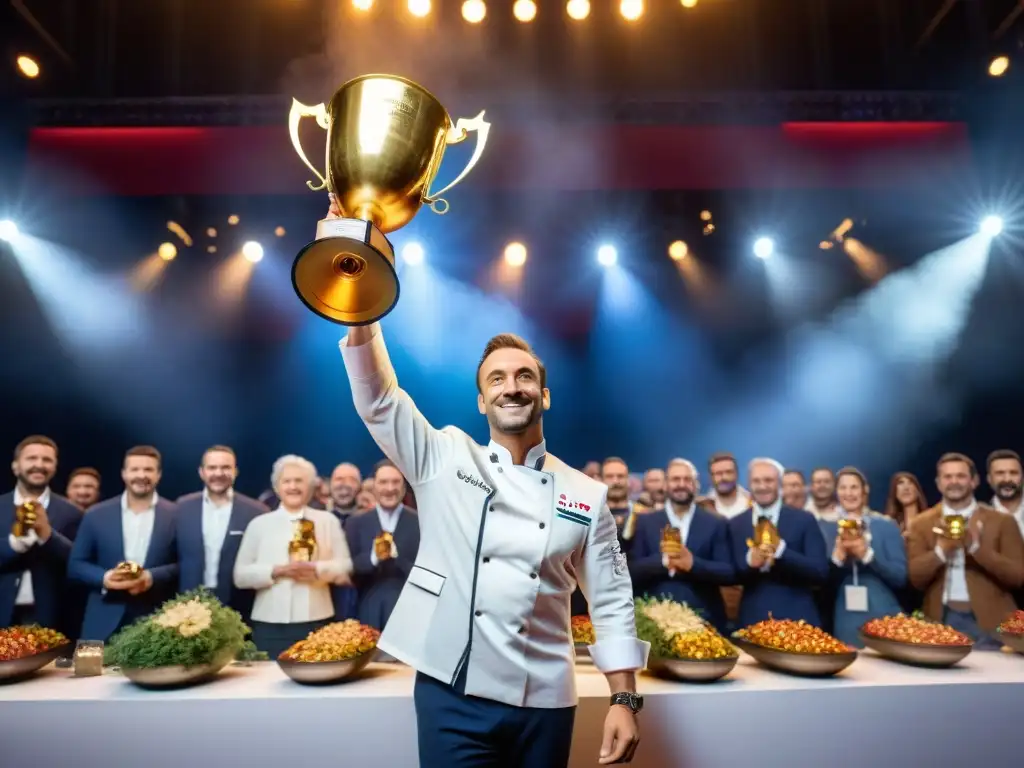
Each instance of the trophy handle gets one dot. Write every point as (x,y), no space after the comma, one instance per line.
(459,133)
(299,111)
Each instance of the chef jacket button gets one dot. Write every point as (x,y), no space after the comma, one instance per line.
(543,481)
(500,470)
(542,525)
(487,559)
(478,613)
(522,629)
(533,575)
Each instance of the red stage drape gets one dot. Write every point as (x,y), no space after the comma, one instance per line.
(259,160)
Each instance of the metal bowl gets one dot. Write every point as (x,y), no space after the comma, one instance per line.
(325,672)
(176,676)
(692,670)
(19,668)
(1012,640)
(804,664)
(918,654)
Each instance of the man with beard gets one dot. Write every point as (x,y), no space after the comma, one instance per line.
(691,568)
(794,489)
(209,527)
(615,474)
(778,580)
(727,498)
(507,530)
(1005,479)
(33,567)
(967,582)
(136,527)
(346,480)
(654,488)
(83,487)
(822,503)
(383,544)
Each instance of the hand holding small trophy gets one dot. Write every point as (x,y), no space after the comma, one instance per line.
(25,517)
(764,544)
(384,546)
(671,540)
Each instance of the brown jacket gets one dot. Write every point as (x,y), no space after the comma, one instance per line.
(993,572)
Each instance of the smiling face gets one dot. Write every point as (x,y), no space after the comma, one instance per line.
(294,487)
(218,471)
(140,474)
(35,466)
(851,493)
(511,394)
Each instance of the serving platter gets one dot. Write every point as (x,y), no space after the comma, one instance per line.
(176,676)
(18,669)
(692,670)
(916,654)
(794,663)
(325,672)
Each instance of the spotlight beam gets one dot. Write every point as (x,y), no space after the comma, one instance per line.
(40,30)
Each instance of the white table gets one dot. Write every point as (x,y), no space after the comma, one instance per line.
(877,714)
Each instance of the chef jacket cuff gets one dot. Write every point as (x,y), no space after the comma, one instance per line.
(619,654)
(365,361)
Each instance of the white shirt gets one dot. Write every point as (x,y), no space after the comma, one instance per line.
(388,522)
(680,521)
(265,545)
(22,544)
(137,529)
(956,570)
(502,549)
(215,527)
(1018,515)
(830,514)
(738,507)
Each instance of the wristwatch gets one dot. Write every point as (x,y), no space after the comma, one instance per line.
(634,701)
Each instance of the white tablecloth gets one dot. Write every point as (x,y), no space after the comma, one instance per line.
(877,714)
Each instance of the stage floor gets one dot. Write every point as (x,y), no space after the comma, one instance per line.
(877,713)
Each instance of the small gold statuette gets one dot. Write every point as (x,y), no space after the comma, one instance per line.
(850,528)
(25,516)
(766,535)
(385,139)
(302,547)
(383,545)
(953,527)
(126,570)
(671,540)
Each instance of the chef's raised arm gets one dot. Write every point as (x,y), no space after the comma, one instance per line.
(396,424)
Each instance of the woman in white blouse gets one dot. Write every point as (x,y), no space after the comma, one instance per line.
(292,598)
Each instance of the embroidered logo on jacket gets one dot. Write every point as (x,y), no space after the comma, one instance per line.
(473,480)
(619,564)
(573,511)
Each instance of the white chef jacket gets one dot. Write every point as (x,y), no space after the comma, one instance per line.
(502,547)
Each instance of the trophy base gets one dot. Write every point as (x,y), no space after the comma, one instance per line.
(347,275)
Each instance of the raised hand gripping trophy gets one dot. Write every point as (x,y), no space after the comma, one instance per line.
(385,140)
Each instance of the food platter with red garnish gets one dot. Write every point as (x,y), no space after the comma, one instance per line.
(582,636)
(795,647)
(917,641)
(331,654)
(1011,632)
(25,650)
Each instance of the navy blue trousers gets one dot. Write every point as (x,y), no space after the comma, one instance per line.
(460,731)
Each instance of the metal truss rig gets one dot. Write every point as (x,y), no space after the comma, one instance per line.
(750,108)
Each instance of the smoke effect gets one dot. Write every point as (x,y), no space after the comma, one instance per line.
(468,72)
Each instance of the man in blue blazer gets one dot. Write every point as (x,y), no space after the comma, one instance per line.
(33,567)
(209,528)
(780,582)
(137,526)
(380,571)
(695,574)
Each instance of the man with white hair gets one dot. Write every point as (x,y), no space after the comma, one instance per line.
(682,551)
(778,579)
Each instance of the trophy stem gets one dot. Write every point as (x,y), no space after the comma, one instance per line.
(371,213)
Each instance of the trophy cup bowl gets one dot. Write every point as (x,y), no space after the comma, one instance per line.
(386,137)
(25,516)
(765,534)
(956,527)
(127,570)
(671,540)
(850,528)
(302,547)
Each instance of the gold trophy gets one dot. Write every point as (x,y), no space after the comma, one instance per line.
(385,140)
(671,540)
(25,516)
(382,546)
(850,529)
(953,527)
(302,547)
(126,570)
(765,535)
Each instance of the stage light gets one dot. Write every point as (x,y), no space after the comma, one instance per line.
(8,230)
(998,66)
(991,226)
(678,250)
(578,9)
(27,66)
(474,11)
(524,10)
(362,5)
(515,254)
(607,255)
(764,247)
(167,251)
(419,8)
(631,10)
(688,3)
(280,232)
(252,251)
(233,219)
(412,254)
(211,232)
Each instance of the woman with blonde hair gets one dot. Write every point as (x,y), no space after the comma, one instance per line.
(291,557)
(869,560)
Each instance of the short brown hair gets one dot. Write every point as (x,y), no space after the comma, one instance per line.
(33,440)
(722,456)
(145,450)
(88,471)
(1002,455)
(798,472)
(385,463)
(833,475)
(851,472)
(614,460)
(510,341)
(949,458)
(219,449)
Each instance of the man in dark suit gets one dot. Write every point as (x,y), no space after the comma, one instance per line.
(136,527)
(777,579)
(692,568)
(209,528)
(33,567)
(383,544)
